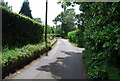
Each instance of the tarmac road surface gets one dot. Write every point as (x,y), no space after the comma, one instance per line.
(64,61)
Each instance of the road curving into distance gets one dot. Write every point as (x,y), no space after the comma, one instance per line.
(64,61)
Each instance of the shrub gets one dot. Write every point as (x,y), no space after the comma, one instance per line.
(100,35)
(19,30)
(76,37)
(50,30)
(102,40)
(72,36)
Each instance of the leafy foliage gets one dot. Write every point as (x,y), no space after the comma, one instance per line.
(73,35)
(5,4)
(100,33)
(38,20)
(50,30)
(67,19)
(25,9)
(101,36)
(76,37)
(19,30)
(13,55)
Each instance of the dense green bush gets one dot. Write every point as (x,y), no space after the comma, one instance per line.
(50,30)
(72,36)
(101,23)
(19,30)
(76,37)
(11,55)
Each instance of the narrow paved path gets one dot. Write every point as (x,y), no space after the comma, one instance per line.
(64,61)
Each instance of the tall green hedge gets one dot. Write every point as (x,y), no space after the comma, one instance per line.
(73,37)
(19,30)
(76,37)
(101,23)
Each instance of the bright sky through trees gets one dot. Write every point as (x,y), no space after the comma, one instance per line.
(38,8)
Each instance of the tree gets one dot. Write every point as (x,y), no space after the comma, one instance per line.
(38,20)
(2,3)
(5,4)
(67,18)
(25,9)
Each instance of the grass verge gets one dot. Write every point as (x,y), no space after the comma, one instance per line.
(18,57)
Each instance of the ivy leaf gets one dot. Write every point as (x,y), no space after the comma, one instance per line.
(106,44)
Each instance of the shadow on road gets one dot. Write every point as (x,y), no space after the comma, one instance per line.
(66,67)
(71,53)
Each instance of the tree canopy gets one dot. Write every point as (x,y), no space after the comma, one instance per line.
(25,9)
(67,19)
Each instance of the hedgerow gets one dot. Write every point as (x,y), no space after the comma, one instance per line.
(12,55)
(19,29)
(76,37)
(101,23)
(72,36)
(100,37)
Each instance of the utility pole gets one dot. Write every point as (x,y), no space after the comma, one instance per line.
(46,24)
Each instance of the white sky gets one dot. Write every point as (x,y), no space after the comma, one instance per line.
(38,8)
